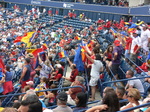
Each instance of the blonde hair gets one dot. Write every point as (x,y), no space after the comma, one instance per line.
(134,93)
(9,109)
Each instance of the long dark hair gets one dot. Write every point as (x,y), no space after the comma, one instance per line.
(82,99)
(112,101)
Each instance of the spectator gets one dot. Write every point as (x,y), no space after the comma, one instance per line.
(120,91)
(110,103)
(116,57)
(145,38)
(27,106)
(8,84)
(135,47)
(108,56)
(72,92)
(62,103)
(73,75)
(136,83)
(97,67)
(133,96)
(46,67)
(9,109)
(81,101)
(25,76)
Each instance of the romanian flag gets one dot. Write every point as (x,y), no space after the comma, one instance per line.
(78,60)
(26,38)
(61,54)
(77,38)
(35,51)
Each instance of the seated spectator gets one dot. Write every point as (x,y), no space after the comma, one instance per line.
(120,91)
(73,75)
(133,96)
(30,106)
(110,103)
(9,109)
(50,96)
(16,105)
(56,76)
(42,85)
(136,83)
(108,56)
(72,92)
(62,103)
(30,84)
(81,101)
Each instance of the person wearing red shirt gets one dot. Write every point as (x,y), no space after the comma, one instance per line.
(128,42)
(73,75)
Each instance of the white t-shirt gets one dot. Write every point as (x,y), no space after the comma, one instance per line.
(136,83)
(45,71)
(135,41)
(96,66)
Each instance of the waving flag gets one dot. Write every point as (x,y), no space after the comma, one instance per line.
(77,38)
(78,60)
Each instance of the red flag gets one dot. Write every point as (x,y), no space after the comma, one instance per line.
(2,65)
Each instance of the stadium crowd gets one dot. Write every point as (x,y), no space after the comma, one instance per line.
(34,57)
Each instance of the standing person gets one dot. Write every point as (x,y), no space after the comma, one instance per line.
(97,67)
(8,84)
(145,38)
(135,46)
(116,57)
(73,75)
(25,75)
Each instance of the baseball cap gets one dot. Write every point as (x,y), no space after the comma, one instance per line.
(30,83)
(117,43)
(62,96)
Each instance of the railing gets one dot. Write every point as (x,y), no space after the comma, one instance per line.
(44,91)
(133,108)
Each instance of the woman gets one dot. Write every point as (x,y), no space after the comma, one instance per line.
(133,96)
(97,67)
(8,84)
(110,103)
(108,56)
(81,101)
(55,78)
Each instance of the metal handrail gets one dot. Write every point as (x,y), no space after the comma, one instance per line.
(45,90)
(136,107)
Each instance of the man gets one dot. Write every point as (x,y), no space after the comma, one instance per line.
(136,83)
(79,81)
(62,103)
(28,106)
(145,38)
(120,91)
(135,46)
(73,75)
(116,57)
(25,76)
